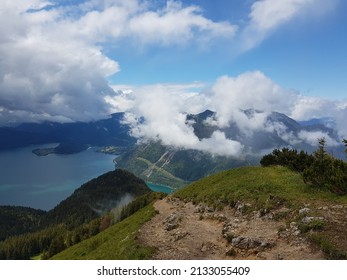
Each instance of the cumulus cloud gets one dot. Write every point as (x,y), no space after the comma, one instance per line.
(53,65)
(43,76)
(232,94)
(176,24)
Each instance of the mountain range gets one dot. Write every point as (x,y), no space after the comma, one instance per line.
(279,130)
(72,137)
(175,166)
(113,131)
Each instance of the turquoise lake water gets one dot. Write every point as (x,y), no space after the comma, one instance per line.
(159,188)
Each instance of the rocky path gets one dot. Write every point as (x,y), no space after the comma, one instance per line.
(185,231)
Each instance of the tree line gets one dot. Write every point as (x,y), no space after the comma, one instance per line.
(319,169)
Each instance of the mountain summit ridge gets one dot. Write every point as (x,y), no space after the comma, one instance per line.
(177,166)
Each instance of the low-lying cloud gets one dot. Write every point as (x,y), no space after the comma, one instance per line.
(311,137)
(159,113)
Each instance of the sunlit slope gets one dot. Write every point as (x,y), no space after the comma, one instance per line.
(260,186)
(117,242)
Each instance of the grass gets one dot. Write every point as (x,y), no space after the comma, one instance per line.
(262,187)
(117,242)
(314,225)
(37,257)
(327,246)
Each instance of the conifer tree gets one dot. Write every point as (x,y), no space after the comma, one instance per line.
(321,152)
(326,171)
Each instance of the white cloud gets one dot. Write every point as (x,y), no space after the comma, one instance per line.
(311,137)
(43,76)
(176,24)
(52,61)
(268,15)
(307,107)
(144,24)
(250,90)
(164,117)
(158,112)
(218,144)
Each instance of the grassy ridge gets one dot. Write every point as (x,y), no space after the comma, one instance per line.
(117,242)
(260,186)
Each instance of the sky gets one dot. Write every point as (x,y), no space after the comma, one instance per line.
(66,60)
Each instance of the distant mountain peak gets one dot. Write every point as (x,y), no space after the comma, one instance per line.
(201,116)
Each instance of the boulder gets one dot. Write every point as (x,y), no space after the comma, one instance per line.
(307,220)
(172,222)
(242,242)
(304,211)
(180,235)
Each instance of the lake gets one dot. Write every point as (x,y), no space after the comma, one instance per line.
(159,188)
(42,182)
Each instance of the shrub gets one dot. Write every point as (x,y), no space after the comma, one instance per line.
(294,160)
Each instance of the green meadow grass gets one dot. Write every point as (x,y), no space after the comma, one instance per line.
(118,242)
(262,187)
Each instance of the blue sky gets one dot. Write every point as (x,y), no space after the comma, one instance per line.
(74,60)
(308,55)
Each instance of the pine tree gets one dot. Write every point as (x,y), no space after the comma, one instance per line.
(327,172)
(321,152)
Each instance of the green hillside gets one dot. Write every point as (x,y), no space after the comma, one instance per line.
(268,188)
(260,186)
(117,242)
